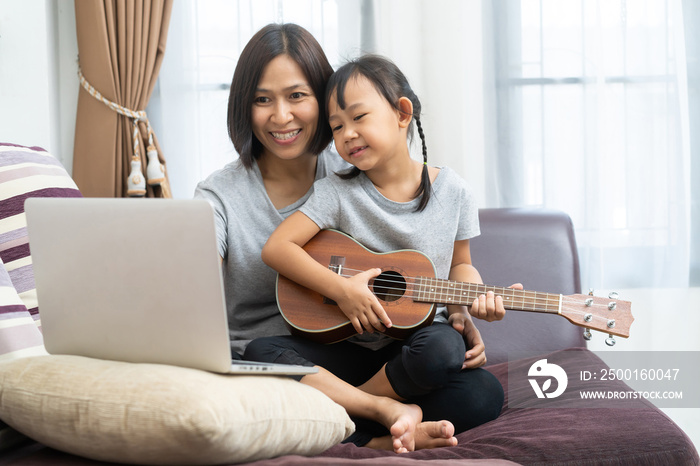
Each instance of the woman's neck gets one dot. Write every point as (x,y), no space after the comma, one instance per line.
(286,181)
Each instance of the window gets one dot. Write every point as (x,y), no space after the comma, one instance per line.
(591,122)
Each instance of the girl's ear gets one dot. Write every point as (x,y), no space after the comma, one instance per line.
(405,112)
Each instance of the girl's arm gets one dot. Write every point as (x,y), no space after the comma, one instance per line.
(284,252)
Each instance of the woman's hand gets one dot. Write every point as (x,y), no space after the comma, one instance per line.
(476,351)
(361,306)
(489,307)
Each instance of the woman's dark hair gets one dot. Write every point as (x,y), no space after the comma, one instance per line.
(268,43)
(391,84)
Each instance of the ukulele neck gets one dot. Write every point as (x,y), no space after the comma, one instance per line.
(440,291)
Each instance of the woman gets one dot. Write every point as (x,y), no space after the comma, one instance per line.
(273,122)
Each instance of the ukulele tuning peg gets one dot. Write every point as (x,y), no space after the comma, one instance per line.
(590,291)
(613,295)
(612,305)
(587,334)
(610,341)
(589,302)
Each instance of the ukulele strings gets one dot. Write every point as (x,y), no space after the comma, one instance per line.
(401,286)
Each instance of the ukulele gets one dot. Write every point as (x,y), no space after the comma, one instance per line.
(408,291)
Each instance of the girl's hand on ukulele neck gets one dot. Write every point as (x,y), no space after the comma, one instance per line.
(360,305)
(489,307)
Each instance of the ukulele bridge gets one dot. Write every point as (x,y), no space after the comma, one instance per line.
(336,266)
(337,263)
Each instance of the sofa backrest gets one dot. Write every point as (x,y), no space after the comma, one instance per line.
(537,248)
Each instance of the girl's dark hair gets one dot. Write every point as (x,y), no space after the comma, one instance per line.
(392,84)
(268,43)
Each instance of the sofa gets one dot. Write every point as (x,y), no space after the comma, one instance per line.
(67,410)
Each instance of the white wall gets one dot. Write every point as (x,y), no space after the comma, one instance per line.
(38,75)
(448,80)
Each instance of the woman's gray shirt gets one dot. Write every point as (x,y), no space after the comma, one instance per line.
(245,217)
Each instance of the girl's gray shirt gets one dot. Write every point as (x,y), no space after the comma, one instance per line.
(245,217)
(357,208)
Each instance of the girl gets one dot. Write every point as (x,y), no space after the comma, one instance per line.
(389,201)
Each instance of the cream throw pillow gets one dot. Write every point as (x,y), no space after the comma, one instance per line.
(157,414)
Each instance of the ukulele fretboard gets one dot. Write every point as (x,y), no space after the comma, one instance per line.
(435,290)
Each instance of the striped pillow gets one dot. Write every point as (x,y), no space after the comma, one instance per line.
(19,335)
(26,172)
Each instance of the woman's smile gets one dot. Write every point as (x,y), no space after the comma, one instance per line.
(286,137)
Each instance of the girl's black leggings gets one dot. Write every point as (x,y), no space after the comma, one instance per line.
(424,369)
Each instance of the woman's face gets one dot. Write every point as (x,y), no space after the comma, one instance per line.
(285,110)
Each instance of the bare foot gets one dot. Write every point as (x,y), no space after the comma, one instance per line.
(427,435)
(403,429)
(435,435)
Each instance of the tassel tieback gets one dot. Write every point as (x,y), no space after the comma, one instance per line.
(155,171)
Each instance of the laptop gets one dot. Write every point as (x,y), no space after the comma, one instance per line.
(135,280)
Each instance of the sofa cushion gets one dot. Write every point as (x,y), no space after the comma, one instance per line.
(157,414)
(26,172)
(563,434)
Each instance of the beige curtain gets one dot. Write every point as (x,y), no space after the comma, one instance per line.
(121,45)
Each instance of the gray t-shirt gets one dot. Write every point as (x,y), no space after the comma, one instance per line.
(355,207)
(245,217)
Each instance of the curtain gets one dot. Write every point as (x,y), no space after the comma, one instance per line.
(121,46)
(592,110)
(691,19)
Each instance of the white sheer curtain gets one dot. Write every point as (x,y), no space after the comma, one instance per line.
(593,119)
(578,105)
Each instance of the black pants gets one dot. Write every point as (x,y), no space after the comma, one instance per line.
(424,369)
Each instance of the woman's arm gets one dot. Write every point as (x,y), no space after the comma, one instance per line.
(284,252)
(487,307)
(462,270)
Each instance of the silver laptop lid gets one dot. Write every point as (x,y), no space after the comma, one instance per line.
(134,280)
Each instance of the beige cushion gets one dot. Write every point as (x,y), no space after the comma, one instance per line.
(157,414)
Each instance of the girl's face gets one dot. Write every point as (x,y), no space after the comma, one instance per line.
(369,133)
(285,110)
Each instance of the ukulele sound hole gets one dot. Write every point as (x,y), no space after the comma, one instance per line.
(389,286)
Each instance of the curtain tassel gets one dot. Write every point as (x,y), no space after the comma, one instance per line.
(136,183)
(155,171)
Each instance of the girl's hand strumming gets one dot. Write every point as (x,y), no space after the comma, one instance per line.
(361,306)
